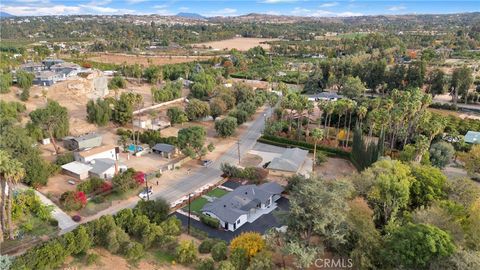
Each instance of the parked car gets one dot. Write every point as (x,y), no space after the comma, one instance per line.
(71,182)
(207,163)
(145,193)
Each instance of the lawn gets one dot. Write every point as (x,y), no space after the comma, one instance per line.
(163,257)
(217,193)
(196,205)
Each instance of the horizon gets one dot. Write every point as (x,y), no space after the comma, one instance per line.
(220,8)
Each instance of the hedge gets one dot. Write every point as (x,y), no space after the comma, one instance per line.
(284,142)
(209,221)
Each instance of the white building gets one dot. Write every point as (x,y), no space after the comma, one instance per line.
(104,151)
(244,204)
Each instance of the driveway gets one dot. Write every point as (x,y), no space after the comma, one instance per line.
(65,222)
(261,225)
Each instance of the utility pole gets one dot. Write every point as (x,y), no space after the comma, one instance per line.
(146,185)
(189,200)
(238,150)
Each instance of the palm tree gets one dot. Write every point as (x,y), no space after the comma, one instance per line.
(317,135)
(13,174)
(361,113)
(350,107)
(329,109)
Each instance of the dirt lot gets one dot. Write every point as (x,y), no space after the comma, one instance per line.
(239,43)
(144,60)
(146,163)
(335,168)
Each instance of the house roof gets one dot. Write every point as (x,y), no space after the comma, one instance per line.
(238,202)
(101,165)
(472,137)
(77,167)
(290,161)
(164,147)
(86,137)
(96,150)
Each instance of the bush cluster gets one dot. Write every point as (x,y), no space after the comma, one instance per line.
(212,222)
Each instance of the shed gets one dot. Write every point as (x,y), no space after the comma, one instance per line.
(82,142)
(164,149)
(290,161)
(77,169)
(472,137)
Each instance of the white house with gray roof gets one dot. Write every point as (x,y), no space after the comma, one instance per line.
(244,204)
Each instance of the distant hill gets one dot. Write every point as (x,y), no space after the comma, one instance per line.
(6,15)
(190,15)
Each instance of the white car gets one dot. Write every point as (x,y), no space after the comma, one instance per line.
(144,194)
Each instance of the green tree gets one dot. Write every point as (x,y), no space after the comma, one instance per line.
(25,79)
(226,127)
(217,107)
(6,80)
(191,141)
(202,86)
(226,265)
(441,154)
(53,120)
(429,185)
(186,252)
(472,160)
(317,135)
(156,210)
(239,258)
(437,82)
(117,82)
(353,87)
(99,112)
(461,81)
(176,116)
(390,188)
(153,74)
(219,251)
(197,109)
(123,110)
(415,246)
(261,261)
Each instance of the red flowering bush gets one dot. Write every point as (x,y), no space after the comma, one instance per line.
(106,187)
(73,201)
(139,177)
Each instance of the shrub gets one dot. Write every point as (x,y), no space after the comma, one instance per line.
(64,159)
(134,251)
(53,222)
(206,264)
(76,218)
(91,185)
(239,258)
(186,252)
(225,265)
(73,200)
(209,221)
(251,242)
(219,251)
(226,127)
(206,246)
(98,199)
(92,258)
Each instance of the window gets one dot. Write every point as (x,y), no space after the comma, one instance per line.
(238,221)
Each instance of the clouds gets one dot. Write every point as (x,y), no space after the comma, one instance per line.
(397,8)
(329,4)
(222,13)
(278,1)
(298,11)
(40,11)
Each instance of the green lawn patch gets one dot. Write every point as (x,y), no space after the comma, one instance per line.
(196,205)
(217,193)
(163,257)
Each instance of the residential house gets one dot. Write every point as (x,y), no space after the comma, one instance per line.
(104,151)
(244,204)
(327,96)
(165,150)
(289,163)
(89,140)
(105,168)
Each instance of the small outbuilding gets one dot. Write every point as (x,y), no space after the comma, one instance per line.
(165,150)
(82,142)
(77,170)
(472,137)
(290,162)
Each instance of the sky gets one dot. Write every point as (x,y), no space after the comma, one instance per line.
(211,8)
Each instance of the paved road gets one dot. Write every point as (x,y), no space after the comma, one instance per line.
(178,188)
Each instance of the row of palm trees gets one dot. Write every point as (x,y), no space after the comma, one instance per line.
(11,172)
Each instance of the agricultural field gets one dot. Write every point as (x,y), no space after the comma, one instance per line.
(144,60)
(239,43)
